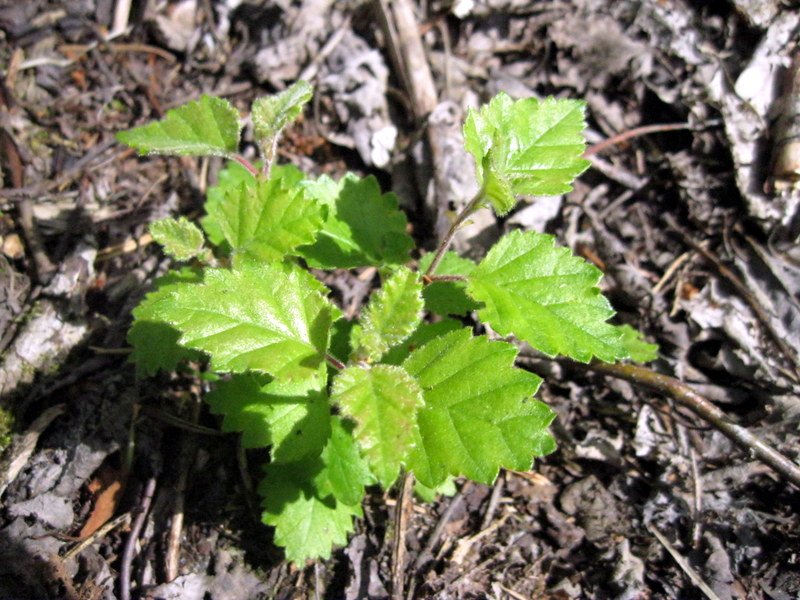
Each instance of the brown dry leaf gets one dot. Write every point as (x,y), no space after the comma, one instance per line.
(106,488)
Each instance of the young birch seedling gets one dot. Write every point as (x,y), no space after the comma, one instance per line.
(403,391)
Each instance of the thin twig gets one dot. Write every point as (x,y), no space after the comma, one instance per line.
(683,564)
(436,534)
(130,543)
(686,396)
(632,133)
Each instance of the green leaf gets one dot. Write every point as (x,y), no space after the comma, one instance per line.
(228,180)
(382,402)
(291,416)
(265,317)
(272,113)
(426,494)
(639,350)
(301,499)
(207,127)
(363,228)
(546,297)
(527,146)
(155,343)
(266,220)
(392,314)
(424,334)
(448,297)
(346,473)
(478,415)
(181,238)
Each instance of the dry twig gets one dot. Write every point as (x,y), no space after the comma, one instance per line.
(686,396)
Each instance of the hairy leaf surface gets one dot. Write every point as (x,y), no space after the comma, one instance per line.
(382,401)
(272,113)
(181,238)
(478,414)
(364,227)
(546,297)
(392,314)
(209,126)
(265,220)
(526,146)
(264,317)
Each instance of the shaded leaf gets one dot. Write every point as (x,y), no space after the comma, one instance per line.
(155,343)
(300,498)
(345,473)
(448,297)
(363,227)
(291,416)
(423,334)
(228,180)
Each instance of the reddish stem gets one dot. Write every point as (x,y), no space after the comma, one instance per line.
(246,164)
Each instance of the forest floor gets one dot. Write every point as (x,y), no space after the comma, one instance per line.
(694,224)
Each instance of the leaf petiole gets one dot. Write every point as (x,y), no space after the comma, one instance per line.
(470,208)
(246,164)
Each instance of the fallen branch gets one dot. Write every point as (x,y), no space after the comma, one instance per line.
(686,396)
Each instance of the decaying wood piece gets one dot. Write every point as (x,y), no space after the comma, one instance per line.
(453,175)
(786,133)
(56,324)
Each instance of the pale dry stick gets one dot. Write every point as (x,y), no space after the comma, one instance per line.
(438,530)
(686,396)
(464,545)
(669,272)
(122,12)
(309,72)
(697,507)
(133,536)
(512,593)
(187,453)
(101,532)
(409,53)
(22,446)
(402,512)
(683,564)
(494,500)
